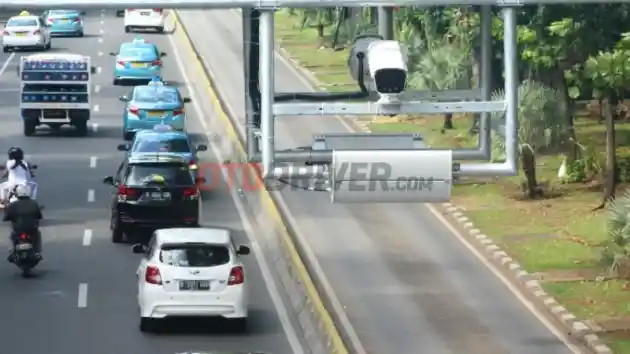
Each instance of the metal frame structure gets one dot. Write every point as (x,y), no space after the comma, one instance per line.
(263,104)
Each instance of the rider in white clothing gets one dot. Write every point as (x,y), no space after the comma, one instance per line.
(17,172)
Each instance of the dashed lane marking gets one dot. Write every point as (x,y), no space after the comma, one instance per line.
(96,108)
(5,65)
(90,196)
(97,88)
(99,70)
(87,237)
(95,127)
(93,161)
(83,294)
(100,40)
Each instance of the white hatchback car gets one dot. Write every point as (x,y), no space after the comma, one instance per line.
(143,19)
(190,272)
(25,32)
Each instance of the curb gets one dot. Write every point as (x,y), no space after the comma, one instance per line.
(530,286)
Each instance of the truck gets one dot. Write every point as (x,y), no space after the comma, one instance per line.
(55,90)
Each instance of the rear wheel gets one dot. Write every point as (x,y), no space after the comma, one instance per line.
(240,325)
(159,29)
(127,29)
(128,136)
(117,232)
(147,324)
(29,128)
(48,45)
(5,49)
(82,128)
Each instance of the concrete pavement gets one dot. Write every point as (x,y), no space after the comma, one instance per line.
(84,298)
(405,281)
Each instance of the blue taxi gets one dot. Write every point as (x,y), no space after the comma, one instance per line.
(138,60)
(163,138)
(153,104)
(64,22)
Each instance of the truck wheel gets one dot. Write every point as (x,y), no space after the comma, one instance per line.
(82,128)
(29,128)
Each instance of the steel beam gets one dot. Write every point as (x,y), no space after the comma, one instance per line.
(267,4)
(375,109)
(267,90)
(251,139)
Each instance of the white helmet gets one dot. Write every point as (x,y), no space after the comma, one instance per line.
(22,191)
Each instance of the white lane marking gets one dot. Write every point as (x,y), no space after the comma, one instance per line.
(100,54)
(83,294)
(94,127)
(96,108)
(90,196)
(10,90)
(97,88)
(272,287)
(93,161)
(6,63)
(87,237)
(101,31)
(99,70)
(100,40)
(102,22)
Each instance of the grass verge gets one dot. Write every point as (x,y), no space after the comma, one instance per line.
(556,238)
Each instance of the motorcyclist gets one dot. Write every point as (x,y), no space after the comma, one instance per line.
(17,172)
(24,215)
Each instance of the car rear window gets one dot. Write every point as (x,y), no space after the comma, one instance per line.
(144,52)
(22,22)
(64,12)
(173,145)
(155,94)
(173,174)
(194,255)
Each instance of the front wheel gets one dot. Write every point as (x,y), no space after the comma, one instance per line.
(117,233)
(48,45)
(29,128)
(127,29)
(82,128)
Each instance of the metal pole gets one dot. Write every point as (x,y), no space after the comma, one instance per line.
(485,80)
(386,22)
(267,91)
(251,140)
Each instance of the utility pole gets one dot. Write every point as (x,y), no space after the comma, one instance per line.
(386,22)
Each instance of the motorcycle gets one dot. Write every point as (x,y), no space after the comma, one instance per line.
(24,255)
(11,197)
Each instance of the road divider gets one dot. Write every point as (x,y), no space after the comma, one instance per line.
(313,314)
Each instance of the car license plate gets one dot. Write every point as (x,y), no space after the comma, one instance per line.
(138,65)
(23,247)
(156,113)
(145,13)
(194,285)
(160,195)
(65,21)
(21,34)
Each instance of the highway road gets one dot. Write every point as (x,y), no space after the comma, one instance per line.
(407,283)
(84,298)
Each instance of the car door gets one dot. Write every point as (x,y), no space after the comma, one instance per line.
(151,248)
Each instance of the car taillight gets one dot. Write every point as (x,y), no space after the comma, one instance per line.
(36,31)
(23,236)
(158,10)
(133,110)
(178,112)
(190,192)
(126,191)
(130,10)
(77,20)
(5,33)
(51,21)
(156,63)
(121,63)
(153,276)
(237,276)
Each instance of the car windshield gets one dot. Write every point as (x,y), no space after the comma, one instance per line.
(155,94)
(164,145)
(174,174)
(144,52)
(22,22)
(194,255)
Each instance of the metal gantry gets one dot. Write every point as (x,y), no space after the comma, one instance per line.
(400,167)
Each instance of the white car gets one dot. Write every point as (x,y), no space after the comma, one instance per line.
(143,19)
(25,32)
(188,272)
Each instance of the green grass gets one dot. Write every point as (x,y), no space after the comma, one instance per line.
(543,235)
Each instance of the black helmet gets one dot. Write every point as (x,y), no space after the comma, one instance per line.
(16,153)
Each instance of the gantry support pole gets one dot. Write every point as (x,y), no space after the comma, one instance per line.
(386,22)
(267,90)
(250,128)
(485,80)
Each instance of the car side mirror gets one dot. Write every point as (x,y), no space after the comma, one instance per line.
(242,250)
(200,180)
(82,13)
(162,54)
(202,148)
(187,100)
(33,167)
(123,147)
(109,180)
(113,54)
(123,99)
(139,248)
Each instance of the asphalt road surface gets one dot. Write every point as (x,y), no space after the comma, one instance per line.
(84,298)
(407,283)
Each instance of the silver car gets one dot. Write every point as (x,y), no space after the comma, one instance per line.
(25,32)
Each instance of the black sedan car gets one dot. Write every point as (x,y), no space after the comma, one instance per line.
(153,190)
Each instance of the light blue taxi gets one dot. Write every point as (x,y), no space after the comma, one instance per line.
(138,60)
(163,138)
(64,22)
(153,104)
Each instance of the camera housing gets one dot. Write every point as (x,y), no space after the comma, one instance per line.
(384,65)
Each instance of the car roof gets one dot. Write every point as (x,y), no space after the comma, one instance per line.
(152,134)
(24,18)
(137,44)
(155,88)
(136,158)
(215,236)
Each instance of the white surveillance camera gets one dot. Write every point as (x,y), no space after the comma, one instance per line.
(384,66)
